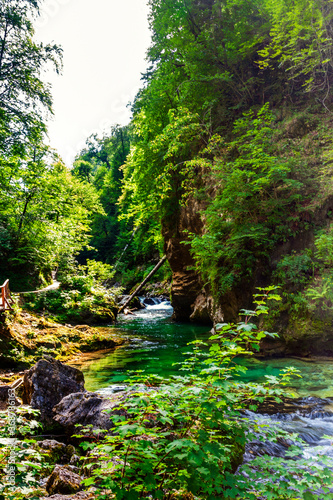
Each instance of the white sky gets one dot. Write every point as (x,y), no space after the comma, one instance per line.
(104,43)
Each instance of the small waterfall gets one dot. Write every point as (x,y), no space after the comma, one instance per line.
(156,303)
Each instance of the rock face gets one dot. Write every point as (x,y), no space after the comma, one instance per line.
(47,383)
(206,311)
(64,481)
(86,408)
(186,284)
(305,330)
(190,299)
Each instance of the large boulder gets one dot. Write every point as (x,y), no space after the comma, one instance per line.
(47,383)
(63,480)
(87,409)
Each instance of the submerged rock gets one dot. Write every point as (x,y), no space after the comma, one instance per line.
(47,383)
(87,409)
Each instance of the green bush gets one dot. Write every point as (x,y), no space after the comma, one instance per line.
(81,296)
(294,270)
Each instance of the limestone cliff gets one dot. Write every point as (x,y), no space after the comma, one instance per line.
(304,321)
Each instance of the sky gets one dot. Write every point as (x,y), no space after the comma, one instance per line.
(104,44)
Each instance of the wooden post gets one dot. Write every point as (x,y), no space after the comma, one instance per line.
(5,296)
(138,290)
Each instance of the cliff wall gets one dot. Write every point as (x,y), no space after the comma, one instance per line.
(304,319)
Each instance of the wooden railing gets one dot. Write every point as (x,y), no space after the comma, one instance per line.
(6,300)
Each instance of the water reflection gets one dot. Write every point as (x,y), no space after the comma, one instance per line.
(317,374)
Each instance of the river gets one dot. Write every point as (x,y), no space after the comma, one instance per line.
(154,343)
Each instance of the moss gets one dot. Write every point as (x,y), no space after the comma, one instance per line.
(24,339)
(55,452)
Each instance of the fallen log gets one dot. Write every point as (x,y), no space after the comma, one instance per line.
(140,287)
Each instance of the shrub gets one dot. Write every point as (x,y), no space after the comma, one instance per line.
(81,296)
(185,437)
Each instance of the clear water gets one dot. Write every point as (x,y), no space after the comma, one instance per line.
(154,343)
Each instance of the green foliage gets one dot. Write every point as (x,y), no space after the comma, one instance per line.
(300,42)
(294,270)
(19,452)
(251,209)
(24,97)
(117,237)
(307,278)
(81,296)
(185,438)
(320,293)
(99,163)
(46,214)
(324,246)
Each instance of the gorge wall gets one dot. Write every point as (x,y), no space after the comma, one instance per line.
(304,319)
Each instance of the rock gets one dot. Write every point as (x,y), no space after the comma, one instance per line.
(148,301)
(86,409)
(47,383)
(64,481)
(98,315)
(206,311)
(185,289)
(81,495)
(5,392)
(56,453)
(135,303)
(186,283)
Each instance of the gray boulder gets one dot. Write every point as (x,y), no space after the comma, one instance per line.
(64,481)
(55,452)
(87,409)
(47,383)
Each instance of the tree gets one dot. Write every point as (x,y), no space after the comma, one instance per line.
(301,43)
(24,98)
(45,211)
(100,163)
(45,215)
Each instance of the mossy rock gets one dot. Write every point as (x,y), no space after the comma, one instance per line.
(55,452)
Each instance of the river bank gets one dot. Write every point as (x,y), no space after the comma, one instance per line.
(25,337)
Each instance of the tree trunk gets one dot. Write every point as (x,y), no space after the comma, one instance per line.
(140,287)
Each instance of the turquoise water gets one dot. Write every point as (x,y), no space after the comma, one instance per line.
(154,343)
